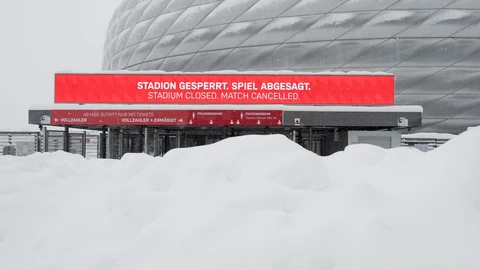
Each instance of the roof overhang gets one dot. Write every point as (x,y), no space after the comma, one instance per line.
(95,116)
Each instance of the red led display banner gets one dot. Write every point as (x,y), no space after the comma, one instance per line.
(225,89)
(166,118)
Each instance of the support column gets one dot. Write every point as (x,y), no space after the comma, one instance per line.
(310,138)
(185,139)
(102,142)
(121,143)
(45,140)
(224,135)
(145,141)
(166,143)
(66,140)
(109,146)
(178,139)
(84,144)
(156,144)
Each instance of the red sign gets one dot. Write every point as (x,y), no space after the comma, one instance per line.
(165,118)
(225,89)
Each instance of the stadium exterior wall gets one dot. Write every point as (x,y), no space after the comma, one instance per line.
(431,46)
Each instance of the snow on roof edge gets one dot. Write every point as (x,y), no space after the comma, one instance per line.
(233,72)
(323,108)
(429,135)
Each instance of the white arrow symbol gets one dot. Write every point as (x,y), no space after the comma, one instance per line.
(231,122)
(181,120)
(241,116)
(191,122)
(279,122)
(56,119)
(258,122)
(193,115)
(238,122)
(211,122)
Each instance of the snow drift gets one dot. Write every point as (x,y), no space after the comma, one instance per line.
(253,202)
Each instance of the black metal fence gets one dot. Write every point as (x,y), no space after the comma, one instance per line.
(22,143)
(27,143)
(424,144)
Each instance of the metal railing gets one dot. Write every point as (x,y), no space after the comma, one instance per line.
(27,143)
(424,143)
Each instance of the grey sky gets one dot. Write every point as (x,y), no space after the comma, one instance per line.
(39,38)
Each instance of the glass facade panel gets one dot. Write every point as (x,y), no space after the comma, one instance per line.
(355,5)
(155,8)
(406,77)
(138,32)
(470,85)
(136,14)
(109,52)
(470,114)
(419,99)
(451,106)
(234,34)
(204,61)
(142,50)
(131,4)
(264,9)
(152,65)
(122,40)
(161,24)
(114,62)
(309,7)
(201,2)
(176,63)
(286,56)
(165,45)
(444,82)
(332,26)
(387,24)
(453,126)
(125,57)
(120,23)
(134,68)
(190,18)
(471,60)
(423,4)
(444,53)
(336,54)
(243,58)
(196,39)
(226,12)
(442,24)
(465,4)
(177,5)
(471,31)
(391,52)
(279,30)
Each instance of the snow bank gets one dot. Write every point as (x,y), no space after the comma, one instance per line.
(254,202)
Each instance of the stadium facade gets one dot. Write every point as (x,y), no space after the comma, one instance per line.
(432,46)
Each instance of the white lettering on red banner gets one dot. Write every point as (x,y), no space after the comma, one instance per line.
(225,89)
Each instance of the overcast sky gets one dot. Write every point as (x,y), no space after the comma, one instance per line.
(39,38)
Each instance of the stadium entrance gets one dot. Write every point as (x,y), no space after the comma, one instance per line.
(330,111)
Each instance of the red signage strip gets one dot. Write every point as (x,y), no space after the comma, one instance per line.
(165,118)
(225,89)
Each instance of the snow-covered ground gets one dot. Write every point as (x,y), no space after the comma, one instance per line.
(254,202)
